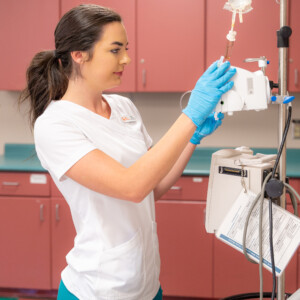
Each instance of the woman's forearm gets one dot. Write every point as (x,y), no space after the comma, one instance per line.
(165,184)
(165,162)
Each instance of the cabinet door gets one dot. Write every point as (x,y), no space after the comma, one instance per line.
(63,234)
(170,37)
(27,27)
(294,59)
(127,11)
(185,248)
(233,274)
(25,242)
(256,36)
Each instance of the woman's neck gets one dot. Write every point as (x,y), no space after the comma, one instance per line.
(82,95)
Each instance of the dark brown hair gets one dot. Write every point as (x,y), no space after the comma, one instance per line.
(49,71)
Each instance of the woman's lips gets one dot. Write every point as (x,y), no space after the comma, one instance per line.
(118,73)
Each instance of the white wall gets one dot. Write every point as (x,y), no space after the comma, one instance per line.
(253,129)
(14,125)
(159,111)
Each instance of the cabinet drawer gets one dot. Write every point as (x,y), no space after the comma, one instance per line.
(188,188)
(24,184)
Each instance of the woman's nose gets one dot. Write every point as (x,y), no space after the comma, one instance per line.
(125,59)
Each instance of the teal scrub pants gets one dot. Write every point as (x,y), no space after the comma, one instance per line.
(64,294)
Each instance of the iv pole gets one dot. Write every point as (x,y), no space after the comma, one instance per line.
(282,90)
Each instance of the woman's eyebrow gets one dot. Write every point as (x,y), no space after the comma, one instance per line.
(118,43)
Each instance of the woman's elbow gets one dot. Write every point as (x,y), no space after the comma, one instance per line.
(136,196)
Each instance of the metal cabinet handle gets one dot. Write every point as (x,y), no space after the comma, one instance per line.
(7,183)
(176,188)
(296,76)
(42,213)
(204,214)
(57,212)
(144,77)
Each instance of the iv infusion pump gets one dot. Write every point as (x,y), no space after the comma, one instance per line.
(231,171)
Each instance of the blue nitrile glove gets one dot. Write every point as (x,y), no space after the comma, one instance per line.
(208,91)
(206,128)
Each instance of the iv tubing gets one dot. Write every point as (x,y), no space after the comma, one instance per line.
(260,197)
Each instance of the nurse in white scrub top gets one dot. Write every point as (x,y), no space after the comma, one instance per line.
(99,154)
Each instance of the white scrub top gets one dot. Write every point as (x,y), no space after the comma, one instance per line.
(115,253)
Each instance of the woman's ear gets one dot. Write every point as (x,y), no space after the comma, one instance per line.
(79,56)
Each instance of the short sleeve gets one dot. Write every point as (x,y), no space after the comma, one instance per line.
(59,145)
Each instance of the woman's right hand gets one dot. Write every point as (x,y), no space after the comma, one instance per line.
(208,91)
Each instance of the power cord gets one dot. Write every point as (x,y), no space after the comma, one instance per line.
(270,188)
(251,296)
(286,129)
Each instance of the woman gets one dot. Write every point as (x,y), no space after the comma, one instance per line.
(95,147)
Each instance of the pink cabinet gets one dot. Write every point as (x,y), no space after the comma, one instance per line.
(36,231)
(62,234)
(294,59)
(25,231)
(170,44)
(256,36)
(127,11)
(25,243)
(27,27)
(186,249)
(62,237)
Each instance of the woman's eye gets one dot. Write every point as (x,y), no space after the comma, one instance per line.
(115,51)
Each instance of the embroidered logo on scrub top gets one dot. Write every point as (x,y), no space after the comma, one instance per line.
(128,119)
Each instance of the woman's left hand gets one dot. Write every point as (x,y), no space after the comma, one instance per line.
(206,128)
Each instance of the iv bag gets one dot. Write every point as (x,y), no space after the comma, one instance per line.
(240,6)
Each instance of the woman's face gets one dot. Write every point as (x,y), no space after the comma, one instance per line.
(104,70)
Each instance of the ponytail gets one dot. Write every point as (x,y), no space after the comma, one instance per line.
(46,81)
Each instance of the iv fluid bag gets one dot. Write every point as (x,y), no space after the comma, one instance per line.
(240,6)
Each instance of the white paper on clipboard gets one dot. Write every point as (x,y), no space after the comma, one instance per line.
(286,231)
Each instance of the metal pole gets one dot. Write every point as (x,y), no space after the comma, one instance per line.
(282,81)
